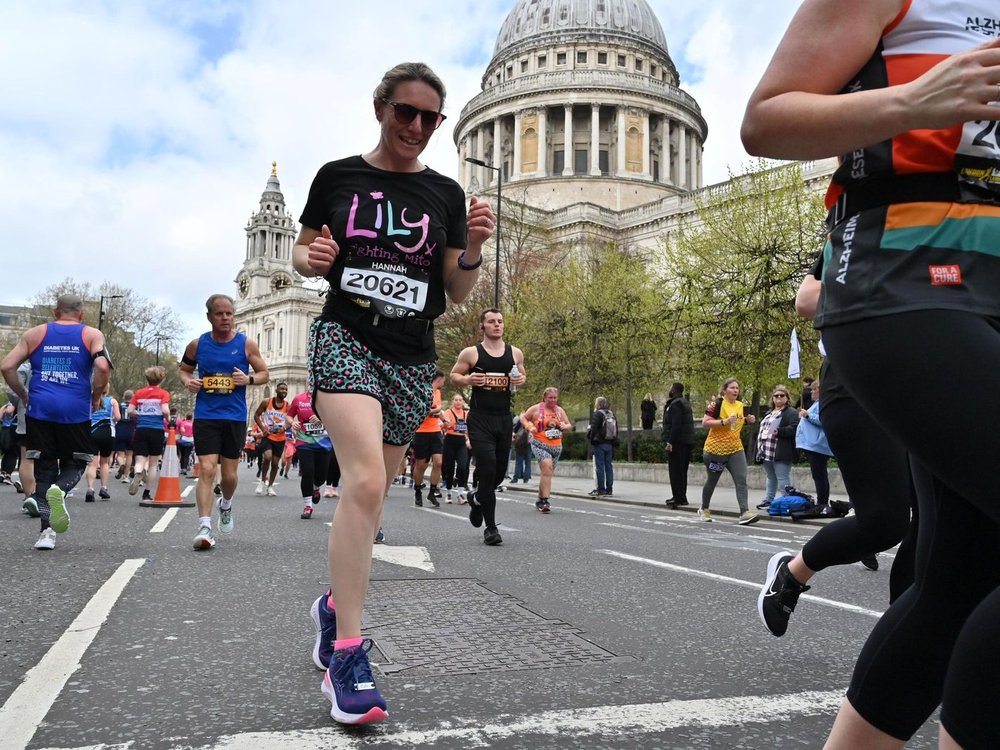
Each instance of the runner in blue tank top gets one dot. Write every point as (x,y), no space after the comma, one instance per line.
(216,368)
(69,372)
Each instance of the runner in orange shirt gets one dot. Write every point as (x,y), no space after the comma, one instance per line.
(428,447)
(272,418)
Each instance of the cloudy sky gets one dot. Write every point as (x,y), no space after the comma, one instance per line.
(136,136)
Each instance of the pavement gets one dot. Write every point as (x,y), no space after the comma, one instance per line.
(655,495)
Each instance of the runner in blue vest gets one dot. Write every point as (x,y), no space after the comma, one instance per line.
(69,372)
(216,368)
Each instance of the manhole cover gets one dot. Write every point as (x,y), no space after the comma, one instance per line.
(458,626)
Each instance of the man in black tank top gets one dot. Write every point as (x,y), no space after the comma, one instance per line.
(490,368)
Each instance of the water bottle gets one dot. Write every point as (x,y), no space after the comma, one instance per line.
(514,372)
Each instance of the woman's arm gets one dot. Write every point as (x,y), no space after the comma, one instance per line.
(458,281)
(797,112)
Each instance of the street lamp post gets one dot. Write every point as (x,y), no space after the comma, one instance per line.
(100,314)
(496,272)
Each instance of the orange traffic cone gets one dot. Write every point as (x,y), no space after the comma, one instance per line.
(168,489)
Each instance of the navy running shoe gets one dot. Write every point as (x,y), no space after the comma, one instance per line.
(325,620)
(350,687)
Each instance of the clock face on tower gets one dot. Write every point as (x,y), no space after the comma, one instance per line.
(280,281)
(243,285)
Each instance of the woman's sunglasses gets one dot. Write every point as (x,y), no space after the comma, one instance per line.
(406,113)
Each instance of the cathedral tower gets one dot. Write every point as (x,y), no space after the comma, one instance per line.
(273,307)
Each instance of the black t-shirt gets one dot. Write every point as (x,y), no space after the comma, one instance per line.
(392,229)
(494,396)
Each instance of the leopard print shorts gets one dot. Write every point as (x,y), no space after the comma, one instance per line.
(339,363)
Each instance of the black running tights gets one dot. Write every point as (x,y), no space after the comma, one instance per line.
(876,475)
(927,378)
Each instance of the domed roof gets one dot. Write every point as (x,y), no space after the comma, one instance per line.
(532,20)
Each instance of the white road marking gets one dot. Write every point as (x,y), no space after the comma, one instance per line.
(409,557)
(27,706)
(463,518)
(187,490)
(561,726)
(755,585)
(164,522)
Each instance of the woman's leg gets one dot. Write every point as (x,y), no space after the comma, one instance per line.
(770,480)
(448,463)
(545,466)
(711,480)
(355,424)
(783,476)
(950,355)
(817,467)
(737,466)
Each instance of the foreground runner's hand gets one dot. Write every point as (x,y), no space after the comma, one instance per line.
(323,252)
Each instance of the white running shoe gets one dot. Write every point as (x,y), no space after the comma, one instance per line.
(47,540)
(271,492)
(260,488)
(704,515)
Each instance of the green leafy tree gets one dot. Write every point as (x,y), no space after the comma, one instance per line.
(138,333)
(733,271)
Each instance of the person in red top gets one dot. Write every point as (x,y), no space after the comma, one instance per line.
(152,407)
(272,418)
(428,448)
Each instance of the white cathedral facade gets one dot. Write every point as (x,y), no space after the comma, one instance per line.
(581,116)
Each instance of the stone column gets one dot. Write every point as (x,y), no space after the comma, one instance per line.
(665,151)
(647,144)
(515,173)
(595,139)
(481,155)
(682,170)
(567,140)
(497,152)
(543,146)
(620,166)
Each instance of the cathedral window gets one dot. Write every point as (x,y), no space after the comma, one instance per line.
(541,61)
(653,70)
(581,58)
(510,72)
(558,161)
(560,58)
(602,162)
(621,61)
(580,161)
(638,65)
(524,66)
(602,58)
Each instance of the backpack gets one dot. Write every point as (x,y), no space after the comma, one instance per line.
(787,505)
(609,430)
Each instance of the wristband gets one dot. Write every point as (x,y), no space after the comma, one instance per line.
(250,380)
(465,266)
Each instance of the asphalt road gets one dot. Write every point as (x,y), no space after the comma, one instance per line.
(599,625)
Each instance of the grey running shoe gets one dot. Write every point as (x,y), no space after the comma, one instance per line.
(204,539)
(226,523)
(30,506)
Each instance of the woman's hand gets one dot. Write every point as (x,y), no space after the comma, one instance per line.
(481,222)
(323,252)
